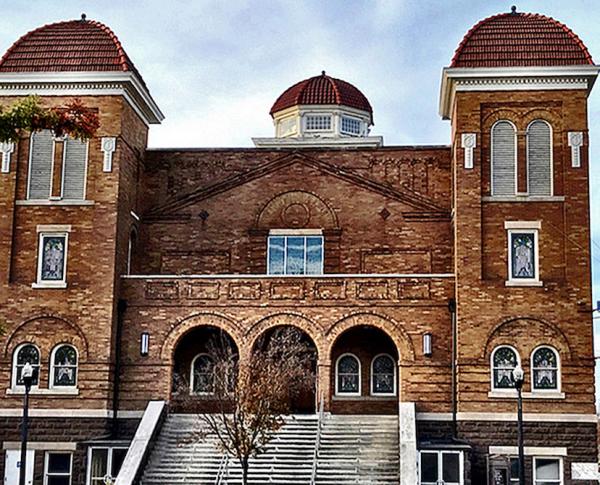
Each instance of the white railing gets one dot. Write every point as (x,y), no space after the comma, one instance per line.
(313,476)
(223,471)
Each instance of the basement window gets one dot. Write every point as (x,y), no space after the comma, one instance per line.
(104,464)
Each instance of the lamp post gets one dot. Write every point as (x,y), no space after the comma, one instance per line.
(27,378)
(518,378)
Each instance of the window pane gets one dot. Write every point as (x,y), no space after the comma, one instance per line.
(314,255)
(295,255)
(28,353)
(547,469)
(276,255)
(65,366)
(203,374)
(60,480)
(99,462)
(383,375)
(59,463)
(429,467)
(53,258)
(348,364)
(318,122)
(350,125)
(117,460)
(514,468)
(505,360)
(451,467)
(523,255)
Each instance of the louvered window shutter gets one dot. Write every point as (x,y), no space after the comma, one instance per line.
(40,165)
(504,158)
(539,158)
(74,169)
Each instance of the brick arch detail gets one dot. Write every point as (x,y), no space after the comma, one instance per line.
(199,319)
(22,328)
(315,212)
(549,334)
(501,114)
(545,114)
(404,345)
(297,320)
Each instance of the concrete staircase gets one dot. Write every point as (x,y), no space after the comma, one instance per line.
(358,450)
(176,459)
(353,450)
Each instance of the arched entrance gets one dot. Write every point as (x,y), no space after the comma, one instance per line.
(364,372)
(302,394)
(203,361)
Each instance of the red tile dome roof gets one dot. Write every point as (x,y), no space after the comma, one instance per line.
(520,40)
(74,45)
(322,89)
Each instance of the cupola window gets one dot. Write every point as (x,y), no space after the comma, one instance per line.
(350,126)
(318,123)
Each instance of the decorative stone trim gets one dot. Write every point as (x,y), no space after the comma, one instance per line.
(6,148)
(42,445)
(468,142)
(512,394)
(575,142)
(19,391)
(109,145)
(529,450)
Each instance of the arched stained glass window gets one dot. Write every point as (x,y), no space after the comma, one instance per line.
(203,375)
(64,366)
(348,375)
(544,368)
(383,375)
(504,158)
(504,360)
(27,353)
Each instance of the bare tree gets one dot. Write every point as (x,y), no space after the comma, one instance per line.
(252,397)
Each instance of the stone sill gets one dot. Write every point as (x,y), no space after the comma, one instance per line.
(47,285)
(526,395)
(19,391)
(524,198)
(515,283)
(54,202)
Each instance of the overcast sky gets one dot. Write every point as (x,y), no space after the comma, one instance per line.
(215,67)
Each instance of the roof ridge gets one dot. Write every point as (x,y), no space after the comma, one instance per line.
(333,82)
(122,55)
(470,32)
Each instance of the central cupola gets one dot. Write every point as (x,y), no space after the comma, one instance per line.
(321,111)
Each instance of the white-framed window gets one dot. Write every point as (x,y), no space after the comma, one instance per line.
(523,253)
(503,360)
(539,158)
(316,122)
(58,468)
(504,158)
(202,380)
(350,126)
(63,365)
(74,174)
(547,471)
(347,375)
(441,466)
(41,165)
(383,375)
(545,369)
(52,259)
(23,354)
(513,471)
(288,126)
(104,463)
(295,254)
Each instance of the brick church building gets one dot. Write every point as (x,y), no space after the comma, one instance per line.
(421,275)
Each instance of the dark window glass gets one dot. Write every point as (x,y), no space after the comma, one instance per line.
(28,354)
(451,467)
(65,366)
(348,374)
(204,377)
(545,369)
(118,455)
(58,470)
(505,360)
(429,467)
(383,375)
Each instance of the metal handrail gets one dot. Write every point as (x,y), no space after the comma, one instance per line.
(313,476)
(223,471)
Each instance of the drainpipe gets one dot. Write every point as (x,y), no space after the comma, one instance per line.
(121,307)
(452,310)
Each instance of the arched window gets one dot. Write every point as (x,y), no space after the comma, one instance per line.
(203,375)
(75,155)
(26,353)
(504,158)
(63,364)
(347,379)
(539,158)
(545,375)
(383,375)
(504,360)
(41,161)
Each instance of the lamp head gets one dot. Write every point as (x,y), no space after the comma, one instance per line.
(27,374)
(518,376)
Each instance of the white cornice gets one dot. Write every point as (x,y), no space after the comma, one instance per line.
(339,142)
(125,84)
(512,79)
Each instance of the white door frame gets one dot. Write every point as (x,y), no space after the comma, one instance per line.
(11,467)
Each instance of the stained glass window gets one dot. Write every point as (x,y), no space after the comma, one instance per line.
(504,361)
(545,369)
(295,255)
(53,257)
(64,368)
(203,374)
(348,375)
(522,255)
(383,375)
(28,353)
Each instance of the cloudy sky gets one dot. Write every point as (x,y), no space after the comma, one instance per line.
(215,67)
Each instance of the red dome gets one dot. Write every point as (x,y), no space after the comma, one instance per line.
(74,45)
(520,40)
(322,89)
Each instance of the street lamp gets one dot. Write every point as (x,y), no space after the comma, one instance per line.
(518,378)
(27,378)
